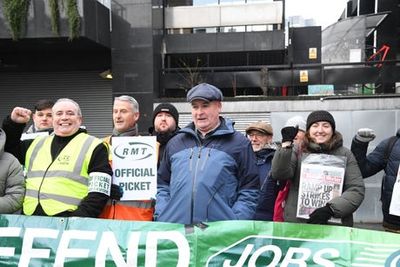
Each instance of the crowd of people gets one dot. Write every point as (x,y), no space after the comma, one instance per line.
(207,171)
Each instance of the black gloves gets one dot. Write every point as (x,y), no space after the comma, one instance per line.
(289,133)
(116,192)
(321,215)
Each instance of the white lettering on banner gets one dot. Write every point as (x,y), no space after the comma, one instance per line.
(64,252)
(8,232)
(294,256)
(28,252)
(107,243)
(318,259)
(277,255)
(246,252)
(174,236)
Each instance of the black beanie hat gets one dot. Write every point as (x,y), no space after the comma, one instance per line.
(320,115)
(169,108)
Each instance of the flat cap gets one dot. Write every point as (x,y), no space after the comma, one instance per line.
(260,126)
(206,92)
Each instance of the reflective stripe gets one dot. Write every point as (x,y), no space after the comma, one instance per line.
(79,161)
(35,152)
(43,196)
(75,175)
(57,174)
(137,204)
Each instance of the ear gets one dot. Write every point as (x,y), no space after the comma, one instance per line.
(137,115)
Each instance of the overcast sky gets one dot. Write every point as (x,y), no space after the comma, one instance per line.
(325,12)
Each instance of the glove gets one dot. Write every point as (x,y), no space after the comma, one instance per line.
(321,215)
(116,192)
(365,135)
(289,133)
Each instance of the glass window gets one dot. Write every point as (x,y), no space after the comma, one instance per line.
(204,2)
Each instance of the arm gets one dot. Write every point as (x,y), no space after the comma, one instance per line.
(163,181)
(13,143)
(374,162)
(93,204)
(15,186)
(284,163)
(353,190)
(249,184)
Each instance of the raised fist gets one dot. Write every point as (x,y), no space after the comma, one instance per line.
(20,115)
(289,133)
(365,135)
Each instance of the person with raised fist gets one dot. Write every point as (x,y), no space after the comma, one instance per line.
(321,141)
(386,157)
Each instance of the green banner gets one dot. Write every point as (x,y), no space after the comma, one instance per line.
(45,241)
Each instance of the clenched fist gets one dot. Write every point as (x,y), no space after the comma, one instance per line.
(365,135)
(20,115)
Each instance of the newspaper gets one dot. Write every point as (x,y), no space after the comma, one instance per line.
(394,208)
(321,180)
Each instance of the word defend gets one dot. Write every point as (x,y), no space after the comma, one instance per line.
(134,163)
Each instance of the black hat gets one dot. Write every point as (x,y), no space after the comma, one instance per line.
(320,115)
(169,108)
(206,92)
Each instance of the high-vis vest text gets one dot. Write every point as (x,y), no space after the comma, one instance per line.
(58,185)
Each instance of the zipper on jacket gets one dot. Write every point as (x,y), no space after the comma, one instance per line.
(190,159)
(193,185)
(205,160)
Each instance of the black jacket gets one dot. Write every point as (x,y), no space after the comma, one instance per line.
(373,163)
(93,203)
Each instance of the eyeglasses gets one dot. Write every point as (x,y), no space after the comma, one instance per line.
(256,134)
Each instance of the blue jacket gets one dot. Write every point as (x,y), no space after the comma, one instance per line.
(207,180)
(373,163)
(269,188)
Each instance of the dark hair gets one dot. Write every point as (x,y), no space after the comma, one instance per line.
(43,104)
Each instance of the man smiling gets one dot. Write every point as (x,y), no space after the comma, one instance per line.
(209,171)
(63,170)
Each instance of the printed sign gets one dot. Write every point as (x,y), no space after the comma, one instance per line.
(312,53)
(134,163)
(319,183)
(304,76)
(394,208)
(321,89)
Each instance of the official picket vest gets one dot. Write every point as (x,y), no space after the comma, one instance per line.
(58,185)
(132,210)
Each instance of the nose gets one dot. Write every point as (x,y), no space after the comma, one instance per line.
(253,138)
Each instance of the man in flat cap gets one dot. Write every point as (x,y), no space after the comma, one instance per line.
(208,172)
(260,134)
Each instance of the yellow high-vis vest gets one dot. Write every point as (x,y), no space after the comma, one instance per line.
(57,185)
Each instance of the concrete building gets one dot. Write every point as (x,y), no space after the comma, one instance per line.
(157,49)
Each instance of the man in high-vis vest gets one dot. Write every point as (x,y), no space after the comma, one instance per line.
(67,173)
(125,117)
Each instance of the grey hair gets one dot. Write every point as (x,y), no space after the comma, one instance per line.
(71,101)
(131,100)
